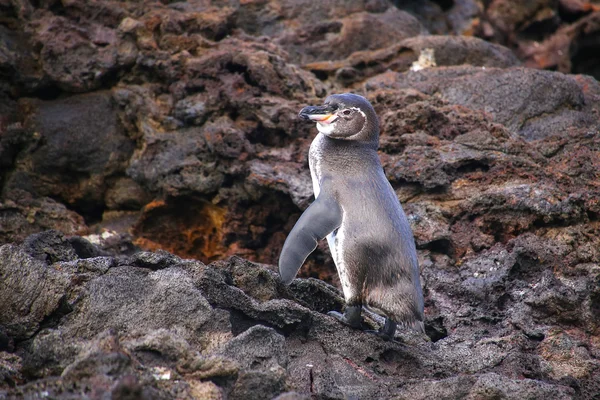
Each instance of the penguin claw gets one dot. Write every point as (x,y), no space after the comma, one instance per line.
(342,318)
(382,335)
(387,331)
(337,315)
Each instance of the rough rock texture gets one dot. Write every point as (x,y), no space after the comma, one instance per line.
(153,325)
(444,50)
(171,127)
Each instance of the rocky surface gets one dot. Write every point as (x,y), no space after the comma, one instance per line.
(153,325)
(142,144)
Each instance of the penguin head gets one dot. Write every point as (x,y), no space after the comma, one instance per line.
(345,116)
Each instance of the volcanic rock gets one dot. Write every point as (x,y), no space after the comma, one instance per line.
(152,164)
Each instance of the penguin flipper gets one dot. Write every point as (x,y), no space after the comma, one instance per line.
(320,219)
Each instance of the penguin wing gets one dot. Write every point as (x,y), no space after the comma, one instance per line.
(320,219)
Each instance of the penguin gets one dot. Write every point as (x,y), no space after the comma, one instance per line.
(358,212)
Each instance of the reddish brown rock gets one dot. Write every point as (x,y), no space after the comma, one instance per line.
(436,50)
(338,39)
(534,104)
(190,142)
(80,57)
(556,35)
(76,144)
(22,215)
(571,48)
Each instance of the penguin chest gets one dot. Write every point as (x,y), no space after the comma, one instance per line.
(337,245)
(315,155)
(336,239)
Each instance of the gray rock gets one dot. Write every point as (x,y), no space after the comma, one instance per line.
(490,386)
(191,143)
(79,137)
(258,348)
(258,385)
(139,301)
(31,292)
(459,50)
(155,324)
(49,247)
(534,104)
(22,214)
(292,396)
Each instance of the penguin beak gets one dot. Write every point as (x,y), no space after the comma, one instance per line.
(322,114)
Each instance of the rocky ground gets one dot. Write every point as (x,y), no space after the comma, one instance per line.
(151,165)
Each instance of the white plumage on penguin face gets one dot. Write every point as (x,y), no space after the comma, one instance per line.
(347,123)
(344,116)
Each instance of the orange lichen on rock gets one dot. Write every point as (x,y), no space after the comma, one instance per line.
(193,229)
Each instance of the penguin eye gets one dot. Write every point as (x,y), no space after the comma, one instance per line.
(346,112)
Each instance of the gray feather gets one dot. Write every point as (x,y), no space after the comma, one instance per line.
(320,219)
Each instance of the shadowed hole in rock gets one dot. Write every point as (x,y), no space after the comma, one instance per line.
(585,56)
(223,381)
(473,166)
(347,75)
(439,189)
(151,357)
(435,329)
(48,92)
(526,268)
(555,221)
(321,75)
(301,329)
(490,318)
(362,65)
(241,70)
(112,77)
(186,226)
(56,7)
(8,11)
(318,31)
(5,341)
(52,320)
(539,30)
(503,301)
(592,216)
(503,226)
(90,206)
(269,137)
(595,302)
(90,210)
(445,5)
(193,88)
(10,382)
(569,15)
(536,336)
(240,322)
(443,246)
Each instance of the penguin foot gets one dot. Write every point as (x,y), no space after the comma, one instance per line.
(351,316)
(383,336)
(387,331)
